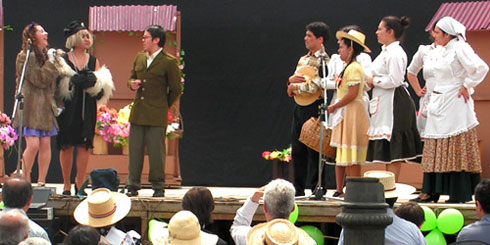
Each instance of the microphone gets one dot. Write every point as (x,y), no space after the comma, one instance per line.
(29,41)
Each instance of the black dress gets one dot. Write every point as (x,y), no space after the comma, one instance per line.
(75,130)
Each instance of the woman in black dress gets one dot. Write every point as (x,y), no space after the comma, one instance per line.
(80,95)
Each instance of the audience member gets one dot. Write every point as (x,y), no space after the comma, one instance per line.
(184,228)
(479,230)
(35,241)
(277,231)
(200,202)
(17,194)
(14,227)
(84,235)
(278,204)
(412,212)
(101,202)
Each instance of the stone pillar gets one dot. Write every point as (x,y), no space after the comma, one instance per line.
(364,216)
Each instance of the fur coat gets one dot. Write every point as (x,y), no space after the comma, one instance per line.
(38,91)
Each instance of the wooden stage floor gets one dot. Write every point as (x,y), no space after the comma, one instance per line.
(228,200)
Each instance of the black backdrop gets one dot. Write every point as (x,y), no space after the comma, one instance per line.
(239,55)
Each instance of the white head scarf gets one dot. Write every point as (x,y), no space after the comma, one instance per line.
(452,27)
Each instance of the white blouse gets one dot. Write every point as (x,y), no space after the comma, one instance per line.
(449,115)
(425,58)
(388,71)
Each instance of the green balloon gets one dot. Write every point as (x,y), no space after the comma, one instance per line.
(155,229)
(435,237)
(1,205)
(293,216)
(430,219)
(314,233)
(450,221)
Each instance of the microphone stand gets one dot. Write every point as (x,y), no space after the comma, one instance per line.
(319,192)
(19,103)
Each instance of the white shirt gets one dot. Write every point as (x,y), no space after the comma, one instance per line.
(150,58)
(425,58)
(400,232)
(456,65)
(388,71)
(243,221)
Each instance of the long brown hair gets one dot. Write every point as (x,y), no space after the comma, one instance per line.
(29,32)
(200,202)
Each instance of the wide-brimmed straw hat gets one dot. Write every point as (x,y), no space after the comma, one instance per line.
(277,231)
(102,208)
(308,72)
(355,36)
(391,188)
(184,228)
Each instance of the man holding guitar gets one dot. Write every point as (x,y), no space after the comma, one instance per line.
(305,86)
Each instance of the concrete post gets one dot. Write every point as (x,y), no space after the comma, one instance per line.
(364,216)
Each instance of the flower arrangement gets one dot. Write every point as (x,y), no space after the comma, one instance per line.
(120,130)
(112,125)
(105,119)
(181,55)
(174,131)
(283,156)
(8,136)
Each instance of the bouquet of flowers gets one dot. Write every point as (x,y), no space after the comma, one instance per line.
(174,130)
(105,119)
(283,156)
(120,130)
(8,136)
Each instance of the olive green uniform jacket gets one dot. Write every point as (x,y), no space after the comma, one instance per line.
(160,88)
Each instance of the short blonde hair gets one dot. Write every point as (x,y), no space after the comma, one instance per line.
(76,39)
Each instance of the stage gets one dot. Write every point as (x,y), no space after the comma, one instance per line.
(228,200)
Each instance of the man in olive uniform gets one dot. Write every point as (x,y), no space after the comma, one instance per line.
(155,77)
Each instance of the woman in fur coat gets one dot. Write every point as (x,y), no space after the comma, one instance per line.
(91,84)
(38,89)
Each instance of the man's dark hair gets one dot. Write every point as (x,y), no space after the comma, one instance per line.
(157,31)
(16,192)
(319,29)
(82,234)
(482,195)
(412,212)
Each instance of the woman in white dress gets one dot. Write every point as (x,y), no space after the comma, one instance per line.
(451,160)
(423,58)
(393,134)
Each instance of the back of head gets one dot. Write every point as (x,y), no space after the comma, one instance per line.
(482,195)
(319,29)
(34,241)
(412,212)
(398,25)
(351,27)
(14,227)
(200,202)
(82,234)
(279,198)
(157,31)
(16,192)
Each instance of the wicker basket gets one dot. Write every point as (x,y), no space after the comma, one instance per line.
(310,136)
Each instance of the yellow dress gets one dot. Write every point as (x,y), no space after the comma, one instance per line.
(350,123)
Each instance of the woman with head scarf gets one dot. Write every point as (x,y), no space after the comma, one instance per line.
(89,84)
(451,160)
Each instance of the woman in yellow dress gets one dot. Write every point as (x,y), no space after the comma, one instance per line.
(350,121)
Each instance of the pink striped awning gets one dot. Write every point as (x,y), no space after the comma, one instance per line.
(473,15)
(132,17)
(1,13)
